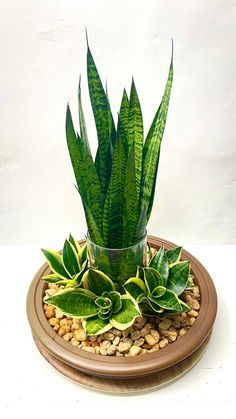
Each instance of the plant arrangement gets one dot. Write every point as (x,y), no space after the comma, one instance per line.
(93,297)
(117,190)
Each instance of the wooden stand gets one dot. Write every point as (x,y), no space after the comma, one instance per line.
(134,385)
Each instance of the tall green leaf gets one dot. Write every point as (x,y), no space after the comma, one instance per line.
(114,202)
(135,133)
(103,118)
(151,149)
(85,172)
(83,130)
(131,205)
(123,121)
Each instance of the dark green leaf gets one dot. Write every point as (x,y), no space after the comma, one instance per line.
(151,148)
(160,263)
(85,173)
(102,116)
(114,202)
(169,300)
(152,279)
(135,133)
(131,205)
(178,277)
(174,254)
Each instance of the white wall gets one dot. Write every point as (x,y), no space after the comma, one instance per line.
(43,50)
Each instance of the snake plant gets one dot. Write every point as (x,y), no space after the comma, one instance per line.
(158,287)
(68,267)
(97,303)
(117,189)
(93,296)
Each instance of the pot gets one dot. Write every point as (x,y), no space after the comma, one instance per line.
(125,367)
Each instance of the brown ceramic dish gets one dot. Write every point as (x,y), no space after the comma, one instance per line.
(126,367)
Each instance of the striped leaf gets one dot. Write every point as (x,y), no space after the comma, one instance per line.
(123,121)
(74,302)
(103,118)
(169,301)
(135,287)
(174,255)
(55,262)
(114,202)
(97,282)
(131,208)
(85,171)
(152,279)
(96,326)
(70,259)
(83,129)
(75,243)
(151,149)
(160,262)
(178,277)
(135,133)
(126,315)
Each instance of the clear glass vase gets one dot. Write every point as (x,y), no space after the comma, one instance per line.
(118,264)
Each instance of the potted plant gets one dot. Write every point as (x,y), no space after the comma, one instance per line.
(119,304)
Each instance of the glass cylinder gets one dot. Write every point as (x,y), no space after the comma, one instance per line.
(118,264)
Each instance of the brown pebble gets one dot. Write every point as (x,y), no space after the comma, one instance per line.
(163,343)
(139,342)
(192,313)
(50,312)
(67,336)
(80,334)
(63,330)
(124,347)
(150,340)
(53,321)
(165,324)
(182,332)
(135,350)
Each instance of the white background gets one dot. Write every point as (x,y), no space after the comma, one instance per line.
(43,51)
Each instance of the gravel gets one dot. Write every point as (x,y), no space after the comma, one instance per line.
(146,335)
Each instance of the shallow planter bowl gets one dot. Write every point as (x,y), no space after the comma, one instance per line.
(125,367)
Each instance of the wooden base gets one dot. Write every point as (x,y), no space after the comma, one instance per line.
(134,385)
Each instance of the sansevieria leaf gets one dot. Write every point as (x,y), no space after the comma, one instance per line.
(151,148)
(123,122)
(55,262)
(178,277)
(96,326)
(70,258)
(97,282)
(160,262)
(85,171)
(135,287)
(174,255)
(102,118)
(131,208)
(74,302)
(114,202)
(126,315)
(135,133)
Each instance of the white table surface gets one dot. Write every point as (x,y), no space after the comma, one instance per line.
(31,386)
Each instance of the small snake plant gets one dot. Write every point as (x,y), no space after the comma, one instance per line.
(93,296)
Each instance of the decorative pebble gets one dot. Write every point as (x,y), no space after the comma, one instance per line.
(124,347)
(146,335)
